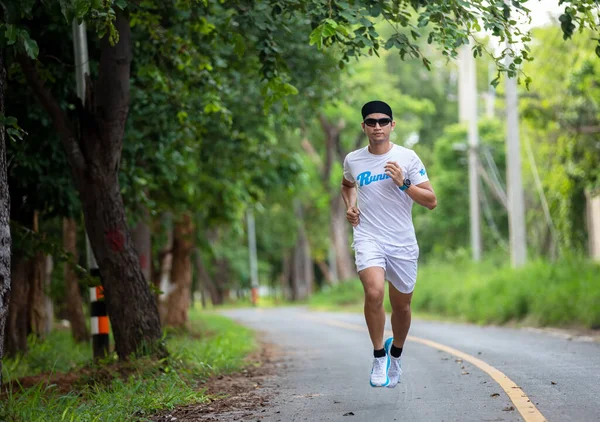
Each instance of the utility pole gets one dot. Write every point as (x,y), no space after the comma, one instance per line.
(514,182)
(253,258)
(99,316)
(490,99)
(467,100)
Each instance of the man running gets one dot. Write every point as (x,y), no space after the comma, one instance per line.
(389,178)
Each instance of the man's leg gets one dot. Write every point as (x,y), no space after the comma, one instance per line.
(401,315)
(401,318)
(373,281)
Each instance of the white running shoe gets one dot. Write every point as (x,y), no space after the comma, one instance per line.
(379,377)
(394,366)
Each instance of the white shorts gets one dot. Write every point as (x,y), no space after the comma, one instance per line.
(399,262)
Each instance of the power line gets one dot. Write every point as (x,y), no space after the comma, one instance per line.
(487,212)
(542,195)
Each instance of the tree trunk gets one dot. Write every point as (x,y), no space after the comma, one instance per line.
(18,326)
(337,210)
(339,232)
(217,296)
(73,295)
(302,269)
(324,268)
(37,293)
(215,283)
(142,239)
(180,289)
(165,262)
(286,276)
(206,281)
(94,161)
(221,279)
(5,241)
(131,306)
(49,305)
(202,276)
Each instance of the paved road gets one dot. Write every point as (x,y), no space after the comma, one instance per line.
(328,359)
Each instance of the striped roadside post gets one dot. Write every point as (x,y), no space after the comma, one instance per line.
(99,319)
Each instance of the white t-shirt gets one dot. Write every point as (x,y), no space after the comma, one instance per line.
(385,210)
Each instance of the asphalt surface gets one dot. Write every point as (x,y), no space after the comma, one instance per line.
(326,371)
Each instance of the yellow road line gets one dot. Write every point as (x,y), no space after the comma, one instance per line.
(522,403)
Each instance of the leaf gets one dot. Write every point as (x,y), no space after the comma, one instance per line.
(31,47)
(341,29)
(239,45)
(426,63)
(212,108)
(375,10)
(366,22)
(11,34)
(316,37)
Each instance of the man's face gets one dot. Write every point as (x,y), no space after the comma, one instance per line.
(378,127)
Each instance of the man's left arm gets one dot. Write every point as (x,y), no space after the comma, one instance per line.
(420,189)
(423,194)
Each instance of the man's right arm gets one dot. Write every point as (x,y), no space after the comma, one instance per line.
(349,196)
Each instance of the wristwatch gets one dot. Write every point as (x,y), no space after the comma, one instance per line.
(406,185)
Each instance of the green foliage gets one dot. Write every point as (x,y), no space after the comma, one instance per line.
(560,124)
(347,296)
(29,243)
(38,167)
(562,293)
(541,293)
(447,227)
(215,346)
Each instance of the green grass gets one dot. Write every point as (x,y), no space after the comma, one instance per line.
(58,354)
(565,293)
(214,345)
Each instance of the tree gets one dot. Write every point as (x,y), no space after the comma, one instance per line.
(5,241)
(94,160)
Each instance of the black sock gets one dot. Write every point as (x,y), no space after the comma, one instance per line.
(379,353)
(396,351)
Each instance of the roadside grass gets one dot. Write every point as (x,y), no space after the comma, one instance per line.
(265,302)
(564,293)
(57,381)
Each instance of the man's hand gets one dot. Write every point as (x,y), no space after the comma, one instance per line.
(352,215)
(393,170)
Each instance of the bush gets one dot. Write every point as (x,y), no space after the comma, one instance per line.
(563,293)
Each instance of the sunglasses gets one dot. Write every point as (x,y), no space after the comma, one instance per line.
(382,122)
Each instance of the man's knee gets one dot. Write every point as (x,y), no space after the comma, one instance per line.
(374,296)
(402,307)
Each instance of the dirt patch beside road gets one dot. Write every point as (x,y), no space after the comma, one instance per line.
(235,397)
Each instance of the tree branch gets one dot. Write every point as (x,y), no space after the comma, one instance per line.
(61,122)
(495,189)
(310,150)
(357,141)
(587,129)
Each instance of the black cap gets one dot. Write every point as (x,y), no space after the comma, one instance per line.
(376,107)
